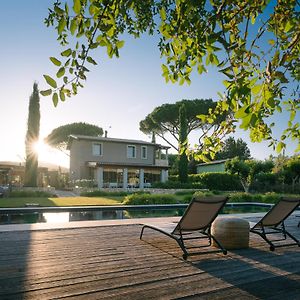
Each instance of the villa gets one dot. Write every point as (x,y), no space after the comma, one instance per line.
(113,162)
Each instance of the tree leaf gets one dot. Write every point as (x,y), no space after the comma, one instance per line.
(58,10)
(77,6)
(246,121)
(73,26)
(65,79)
(55,99)
(55,61)
(242,112)
(46,92)
(256,89)
(280,146)
(62,95)
(120,44)
(91,61)
(271,42)
(288,26)
(60,72)
(50,81)
(292,115)
(61,25)
(67,52)
(163,14)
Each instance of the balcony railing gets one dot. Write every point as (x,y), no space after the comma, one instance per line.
(161,163)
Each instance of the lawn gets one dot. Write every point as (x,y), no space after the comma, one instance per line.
(63,201)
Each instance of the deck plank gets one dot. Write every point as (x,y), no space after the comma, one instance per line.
(113,263)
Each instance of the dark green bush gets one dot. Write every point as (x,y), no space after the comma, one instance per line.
(271,198)
(245,197)
(265,182)
(173,178)
(260,198)
(155,213)
(177,185)
(185,192)
(188,198)
(221,181)
(99,193)
(203,194)
(143,199)
(32,194)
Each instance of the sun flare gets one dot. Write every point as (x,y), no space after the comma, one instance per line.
(49,154)
(40,148)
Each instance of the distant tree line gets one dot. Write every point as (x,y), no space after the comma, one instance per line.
(277,174)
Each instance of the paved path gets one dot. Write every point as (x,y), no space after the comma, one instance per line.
(60,193)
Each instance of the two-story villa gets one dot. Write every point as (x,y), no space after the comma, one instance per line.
(113,162)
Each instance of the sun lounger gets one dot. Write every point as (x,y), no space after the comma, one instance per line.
(194,224)
(273,223)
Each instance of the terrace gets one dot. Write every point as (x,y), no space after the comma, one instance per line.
(106,260)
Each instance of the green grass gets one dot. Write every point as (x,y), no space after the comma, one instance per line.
(64,201)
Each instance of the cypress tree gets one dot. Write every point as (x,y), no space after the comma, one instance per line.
(183,160)
(32,136)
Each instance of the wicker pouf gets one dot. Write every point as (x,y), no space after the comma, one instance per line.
(231,232)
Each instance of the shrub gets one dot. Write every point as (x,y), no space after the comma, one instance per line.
(85,183)
(185,192)
(177,185)
(221,181)
(245,197)
(32,194)
(203,194)
(173,178)
(271,198)
(144,199)
(100,193)
(264,182)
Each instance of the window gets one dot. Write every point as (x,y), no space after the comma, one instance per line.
(144,152)
(97,149)
(131,151)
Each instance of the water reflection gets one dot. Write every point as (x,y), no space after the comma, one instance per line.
(96,215)
(61,217)
(56,217)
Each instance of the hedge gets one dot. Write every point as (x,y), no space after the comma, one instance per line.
(143,199)
(32,194)
(260,198)
(100,193)
(221,181)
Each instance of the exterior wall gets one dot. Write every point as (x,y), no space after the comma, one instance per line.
(220,167)
(112,152)
(77,159)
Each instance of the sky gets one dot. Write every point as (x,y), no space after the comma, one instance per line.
(118,94)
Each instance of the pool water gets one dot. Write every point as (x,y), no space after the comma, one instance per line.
(60,217)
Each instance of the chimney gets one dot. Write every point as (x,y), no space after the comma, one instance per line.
(105,133)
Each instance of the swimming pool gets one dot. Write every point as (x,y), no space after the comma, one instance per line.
(30,215)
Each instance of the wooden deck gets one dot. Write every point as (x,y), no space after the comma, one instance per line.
(112,263)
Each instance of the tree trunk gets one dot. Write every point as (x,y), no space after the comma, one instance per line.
(183,160)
